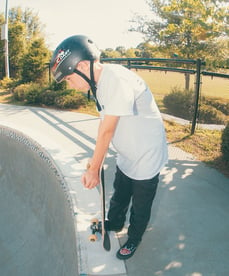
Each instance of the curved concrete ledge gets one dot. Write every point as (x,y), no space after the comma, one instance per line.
(37,235)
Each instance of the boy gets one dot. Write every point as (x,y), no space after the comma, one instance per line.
(130,120)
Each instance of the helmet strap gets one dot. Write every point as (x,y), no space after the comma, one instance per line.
(91,82)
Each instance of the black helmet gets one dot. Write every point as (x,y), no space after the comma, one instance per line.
(69,53)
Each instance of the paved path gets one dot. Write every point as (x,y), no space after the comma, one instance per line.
(187,122)
(188,232)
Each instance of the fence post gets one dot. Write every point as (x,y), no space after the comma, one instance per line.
(197,95)
(89,95)
(50,77)
(128,64)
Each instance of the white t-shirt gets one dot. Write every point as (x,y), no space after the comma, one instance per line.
(139,137)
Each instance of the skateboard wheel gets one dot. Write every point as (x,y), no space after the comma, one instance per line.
(95,221)
(93,238)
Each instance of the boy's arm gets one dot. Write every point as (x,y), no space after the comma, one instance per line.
(106,130)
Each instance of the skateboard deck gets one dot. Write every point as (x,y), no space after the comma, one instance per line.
(98,227)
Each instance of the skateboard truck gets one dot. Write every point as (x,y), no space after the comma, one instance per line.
(96,227)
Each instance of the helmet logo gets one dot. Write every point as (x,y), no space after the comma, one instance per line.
(60,57)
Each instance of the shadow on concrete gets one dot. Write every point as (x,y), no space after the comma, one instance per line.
(188,233)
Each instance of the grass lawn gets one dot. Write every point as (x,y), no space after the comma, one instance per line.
(205,145)
(161,83)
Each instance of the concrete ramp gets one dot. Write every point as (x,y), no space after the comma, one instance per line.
(37,235)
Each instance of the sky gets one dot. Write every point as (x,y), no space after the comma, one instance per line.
(104,21)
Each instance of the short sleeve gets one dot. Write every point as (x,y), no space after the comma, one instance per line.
(119,99)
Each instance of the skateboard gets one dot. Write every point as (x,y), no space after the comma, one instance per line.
(98,227)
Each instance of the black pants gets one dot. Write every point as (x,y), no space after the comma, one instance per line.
(142,193)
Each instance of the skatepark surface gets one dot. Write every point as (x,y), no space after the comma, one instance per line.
(45,211)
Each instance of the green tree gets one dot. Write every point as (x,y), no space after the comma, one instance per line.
(189,28)
(110,53)
(17,47)
(121,50)
(147,50)
(24,27)
(131,53)
(34,65)
(34,28)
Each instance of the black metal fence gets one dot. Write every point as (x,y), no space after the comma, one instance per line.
(146,63)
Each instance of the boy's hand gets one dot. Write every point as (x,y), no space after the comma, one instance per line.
(90,179)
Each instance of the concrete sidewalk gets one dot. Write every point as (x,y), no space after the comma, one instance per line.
(188,232)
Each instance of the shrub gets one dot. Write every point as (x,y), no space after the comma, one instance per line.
(20,91)
(28,92)
(180,103)
(34,94)
(220,104)
(8,83)
(210,115)
(212,111)
(48,97)
(72,100)
(61,86)
(52,95)
(225,143)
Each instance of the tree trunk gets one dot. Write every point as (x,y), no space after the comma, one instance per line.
(187,81)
